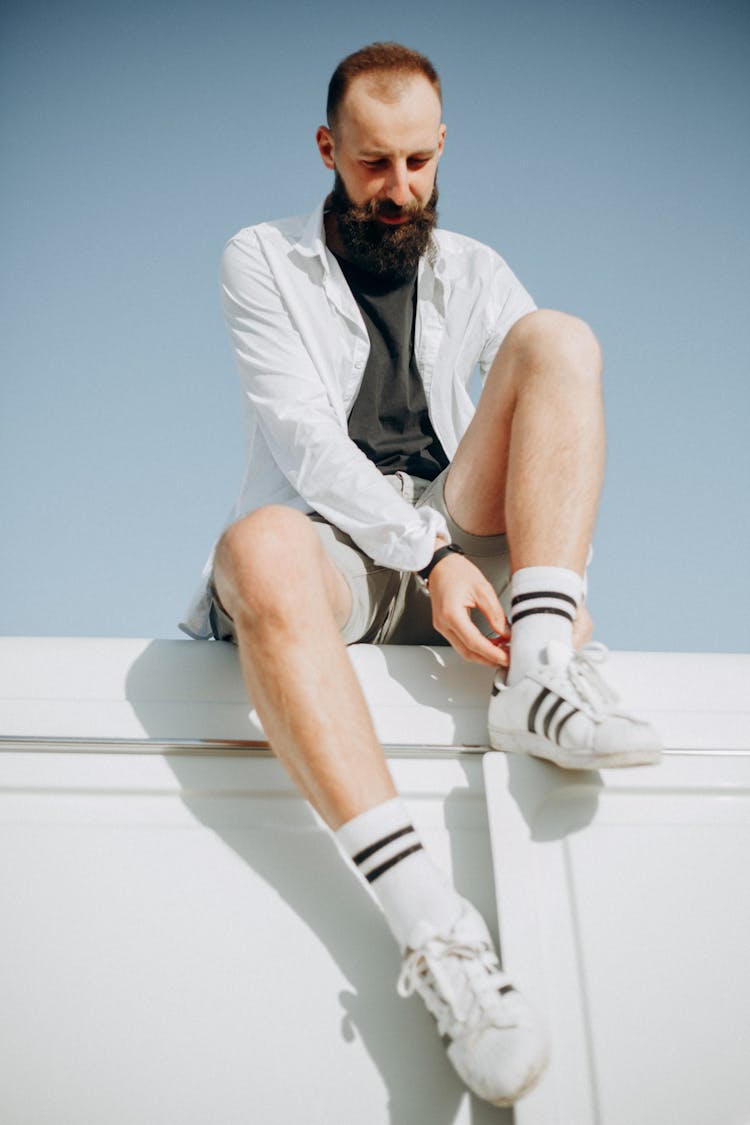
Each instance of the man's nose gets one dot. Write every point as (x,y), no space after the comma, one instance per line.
(397,185)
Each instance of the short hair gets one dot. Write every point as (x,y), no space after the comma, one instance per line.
(377,57)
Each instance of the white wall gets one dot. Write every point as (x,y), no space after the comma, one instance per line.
(181,941)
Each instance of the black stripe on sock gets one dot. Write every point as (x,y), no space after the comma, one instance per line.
(389,863)
(534,709)
(541,609)
(544,594)
(360,857)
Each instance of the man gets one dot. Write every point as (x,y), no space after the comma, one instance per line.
(369,477)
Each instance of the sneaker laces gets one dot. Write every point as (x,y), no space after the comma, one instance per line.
(585,678)
(458,981)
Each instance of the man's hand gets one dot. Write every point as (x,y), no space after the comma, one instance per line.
(456,587)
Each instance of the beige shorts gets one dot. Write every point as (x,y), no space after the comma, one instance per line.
(390,606)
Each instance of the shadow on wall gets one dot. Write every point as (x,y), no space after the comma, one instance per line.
(299,859)
(193,690)
(540,791)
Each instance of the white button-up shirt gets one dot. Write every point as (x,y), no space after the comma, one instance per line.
(301,348)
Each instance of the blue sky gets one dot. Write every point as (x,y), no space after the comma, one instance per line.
(602,148)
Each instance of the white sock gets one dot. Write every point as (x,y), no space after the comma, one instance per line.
(386,850)
(544,600)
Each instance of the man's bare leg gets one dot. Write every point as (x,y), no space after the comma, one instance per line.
(531,465)
(531,462)
(288,601)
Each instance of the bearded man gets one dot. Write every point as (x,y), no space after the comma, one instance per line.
(379,506)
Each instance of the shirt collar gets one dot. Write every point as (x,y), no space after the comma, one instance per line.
(312,241)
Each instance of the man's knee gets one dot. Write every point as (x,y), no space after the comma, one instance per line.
(548,335)
(260,557)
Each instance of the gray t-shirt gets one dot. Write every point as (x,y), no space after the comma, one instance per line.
(389,421)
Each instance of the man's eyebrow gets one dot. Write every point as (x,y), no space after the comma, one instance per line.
(377,153)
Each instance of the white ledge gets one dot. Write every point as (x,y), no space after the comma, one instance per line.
(105,693)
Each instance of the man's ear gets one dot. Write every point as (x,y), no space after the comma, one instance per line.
(326,146)
(441,139)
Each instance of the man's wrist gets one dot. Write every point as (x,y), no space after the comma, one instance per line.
(441,552)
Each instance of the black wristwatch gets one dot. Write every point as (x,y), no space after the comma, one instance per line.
(449,549)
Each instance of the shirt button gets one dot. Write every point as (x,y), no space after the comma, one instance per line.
(359,365)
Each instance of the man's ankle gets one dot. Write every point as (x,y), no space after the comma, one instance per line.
(544,603)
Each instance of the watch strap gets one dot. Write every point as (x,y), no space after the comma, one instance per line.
(448,549)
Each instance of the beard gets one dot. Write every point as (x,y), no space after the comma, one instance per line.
(392,252)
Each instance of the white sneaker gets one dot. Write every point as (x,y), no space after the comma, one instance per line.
(493,1037)
(564,711)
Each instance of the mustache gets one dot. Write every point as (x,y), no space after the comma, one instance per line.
(387,209)
(341,203)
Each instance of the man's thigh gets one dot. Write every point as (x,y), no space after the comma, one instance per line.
(373,589)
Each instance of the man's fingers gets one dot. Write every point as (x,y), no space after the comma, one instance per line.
(461,632)
(479,653)
(488,604)
(457,587)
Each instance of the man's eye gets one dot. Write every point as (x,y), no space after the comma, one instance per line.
(374,163)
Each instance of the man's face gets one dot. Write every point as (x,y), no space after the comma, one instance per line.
(385,151)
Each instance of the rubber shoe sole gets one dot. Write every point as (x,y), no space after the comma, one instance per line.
(537,746)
